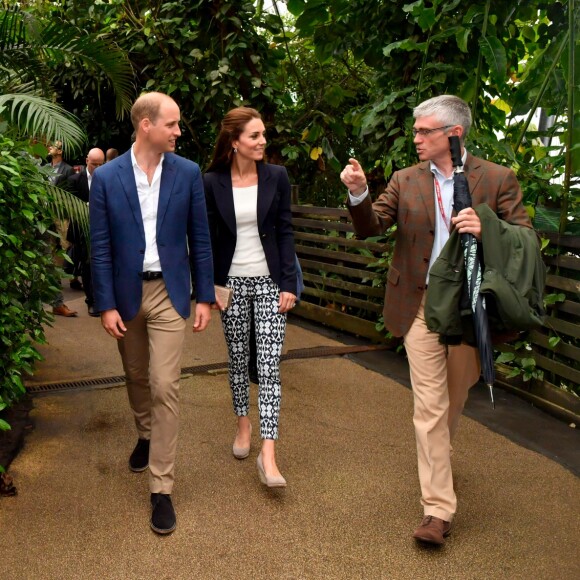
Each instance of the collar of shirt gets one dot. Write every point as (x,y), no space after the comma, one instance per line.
(134,159)
(435,170)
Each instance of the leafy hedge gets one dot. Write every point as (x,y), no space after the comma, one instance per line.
(28,275)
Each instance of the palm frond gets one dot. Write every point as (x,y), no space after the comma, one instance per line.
(12,29)
(39,118)
(95,53)
(13,84)
(29,43)
(16,30)
(65,206)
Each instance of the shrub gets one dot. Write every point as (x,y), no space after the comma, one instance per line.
(28,275)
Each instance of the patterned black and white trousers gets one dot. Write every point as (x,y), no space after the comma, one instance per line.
(263,294)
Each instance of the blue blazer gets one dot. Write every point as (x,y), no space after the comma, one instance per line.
(274,223)
(118,236)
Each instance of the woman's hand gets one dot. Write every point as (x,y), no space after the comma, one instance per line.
(287,302)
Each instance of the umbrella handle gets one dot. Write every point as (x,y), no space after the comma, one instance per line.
(455,148)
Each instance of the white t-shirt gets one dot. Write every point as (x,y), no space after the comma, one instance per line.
(249,259)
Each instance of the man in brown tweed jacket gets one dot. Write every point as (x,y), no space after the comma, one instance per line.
(419,200)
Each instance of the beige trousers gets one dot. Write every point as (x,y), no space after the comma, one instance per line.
(441,379)
(151,354)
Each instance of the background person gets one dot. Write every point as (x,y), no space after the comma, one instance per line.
(148,219)
(79,184)
(60,172)
(111,154)
(419,200)
(248,203)
(61,169)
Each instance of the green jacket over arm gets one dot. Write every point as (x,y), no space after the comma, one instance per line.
(513,281)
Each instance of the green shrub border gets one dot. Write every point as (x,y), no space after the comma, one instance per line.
(29,277)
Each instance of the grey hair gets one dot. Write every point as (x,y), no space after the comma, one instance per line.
(448,109)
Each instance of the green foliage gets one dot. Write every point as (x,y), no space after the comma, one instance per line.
(521,365)
(34,115)
(28,276)
(209,56)
(505,59)
(32,46)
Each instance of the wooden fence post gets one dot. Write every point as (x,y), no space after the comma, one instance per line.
(294,190)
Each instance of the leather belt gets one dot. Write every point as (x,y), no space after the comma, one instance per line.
(146,276)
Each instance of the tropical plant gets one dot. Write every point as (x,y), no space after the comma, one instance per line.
(29,205)
(209,56)
(28,275)
(31,44)
(509,60)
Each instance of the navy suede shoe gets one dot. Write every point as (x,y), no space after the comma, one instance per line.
(139,460)
(163,515)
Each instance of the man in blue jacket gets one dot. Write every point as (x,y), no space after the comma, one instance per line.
(148,218)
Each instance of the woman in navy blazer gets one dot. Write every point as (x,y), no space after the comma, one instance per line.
(248,204)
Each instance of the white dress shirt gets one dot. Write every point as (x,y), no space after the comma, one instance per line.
(149,202)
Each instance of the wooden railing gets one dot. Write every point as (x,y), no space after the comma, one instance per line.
(343,293)
(338,285)
(560,362)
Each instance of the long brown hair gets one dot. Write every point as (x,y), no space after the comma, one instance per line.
(233,125)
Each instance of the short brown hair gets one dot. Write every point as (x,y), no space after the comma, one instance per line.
(147,107)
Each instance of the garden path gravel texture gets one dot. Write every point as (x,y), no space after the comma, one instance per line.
(347,450)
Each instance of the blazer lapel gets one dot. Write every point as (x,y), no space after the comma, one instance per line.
(224,200)
(425,190)
(168,175)
(473,173)
(127,179)
(265,192)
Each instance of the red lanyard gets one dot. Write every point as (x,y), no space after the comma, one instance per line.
(440,202)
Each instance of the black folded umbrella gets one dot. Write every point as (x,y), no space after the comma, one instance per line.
(473,271)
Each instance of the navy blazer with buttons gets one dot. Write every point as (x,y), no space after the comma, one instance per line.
(118,236)
(274,223)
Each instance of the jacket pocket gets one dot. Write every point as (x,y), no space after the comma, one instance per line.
(443,301)
(393,276)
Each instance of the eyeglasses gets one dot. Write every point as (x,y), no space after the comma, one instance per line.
(427,132)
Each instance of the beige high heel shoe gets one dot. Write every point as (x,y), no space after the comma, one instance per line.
(269,480)
(241,452)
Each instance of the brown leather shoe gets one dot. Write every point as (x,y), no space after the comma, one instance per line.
(432,530)
(64,310)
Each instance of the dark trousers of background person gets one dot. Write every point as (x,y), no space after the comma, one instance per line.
(81,266)
(74,236)
(74,269)
(260,295)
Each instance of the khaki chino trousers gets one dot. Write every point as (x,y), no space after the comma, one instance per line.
(151,354)
(441,378)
